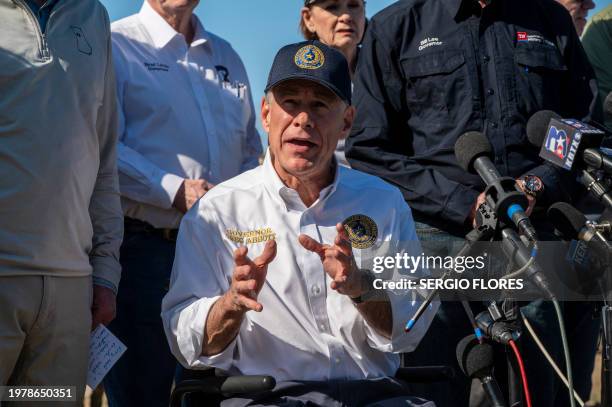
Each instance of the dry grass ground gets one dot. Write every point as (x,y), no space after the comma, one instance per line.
(596,389)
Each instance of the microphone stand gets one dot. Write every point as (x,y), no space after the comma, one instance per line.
(606,355)
(606,336)
(596,188)
(502,326)
(516,251)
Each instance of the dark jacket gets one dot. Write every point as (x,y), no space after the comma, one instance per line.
(431,70)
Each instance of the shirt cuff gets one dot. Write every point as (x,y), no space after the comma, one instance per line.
(187,331)
(104,283)
(106,269)
(166,190)
(553,185)
(459,204)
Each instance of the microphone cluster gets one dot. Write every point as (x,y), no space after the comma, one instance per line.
(574,146)
(569,145)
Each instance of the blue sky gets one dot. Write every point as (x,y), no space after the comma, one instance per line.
(255,28)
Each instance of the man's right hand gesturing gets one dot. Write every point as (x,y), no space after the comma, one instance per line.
(225,316)
(248,278)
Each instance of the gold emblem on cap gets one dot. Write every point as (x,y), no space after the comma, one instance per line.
(362,231)
(309,57)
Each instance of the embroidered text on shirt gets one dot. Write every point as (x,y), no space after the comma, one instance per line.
(156,66)
(429,42)
(250,236)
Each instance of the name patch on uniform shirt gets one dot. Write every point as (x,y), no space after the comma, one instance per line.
(250,236)
(429,42)
(362,231)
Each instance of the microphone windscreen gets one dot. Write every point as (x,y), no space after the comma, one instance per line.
(566,219)
(469,147)
(607,107)
(537,126)
(475,359)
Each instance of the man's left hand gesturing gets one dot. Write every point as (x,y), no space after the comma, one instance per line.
(338,262)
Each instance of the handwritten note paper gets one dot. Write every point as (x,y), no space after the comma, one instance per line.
(104,351)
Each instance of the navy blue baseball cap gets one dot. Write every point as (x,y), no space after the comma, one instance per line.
(313,61)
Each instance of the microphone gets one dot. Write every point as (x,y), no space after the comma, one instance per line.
(573,225)
(562,143)
(476,361)
(537,126)
(568,143)
(473,152)
(589,250)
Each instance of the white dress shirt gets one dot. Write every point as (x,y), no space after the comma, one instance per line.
(306,331)
(185,112)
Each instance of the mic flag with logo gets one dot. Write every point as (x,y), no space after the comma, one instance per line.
(566,139)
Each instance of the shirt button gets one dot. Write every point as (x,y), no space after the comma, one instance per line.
(486,58)
(315,289)
(337,360)
(494,125)
(322,327)
(490,92)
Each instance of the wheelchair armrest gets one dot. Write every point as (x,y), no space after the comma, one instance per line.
(227,385)
(247,384)
(425,374)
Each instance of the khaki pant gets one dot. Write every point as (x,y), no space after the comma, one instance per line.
(45,325)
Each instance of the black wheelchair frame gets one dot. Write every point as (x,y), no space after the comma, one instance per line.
(214,386)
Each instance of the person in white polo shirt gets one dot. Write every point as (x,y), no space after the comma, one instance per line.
(186,123)
(268,274)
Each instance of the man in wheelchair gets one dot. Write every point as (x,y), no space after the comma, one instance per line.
(269,276)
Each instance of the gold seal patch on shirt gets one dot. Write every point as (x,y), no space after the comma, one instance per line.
(309,57)
(250,236)
(362,231)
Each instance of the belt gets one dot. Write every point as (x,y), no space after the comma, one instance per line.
(138,226)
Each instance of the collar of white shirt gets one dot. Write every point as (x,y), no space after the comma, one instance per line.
(289,197)
(162,33)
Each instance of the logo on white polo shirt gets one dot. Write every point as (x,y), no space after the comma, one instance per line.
(223,73)
(156,66)
(362,231)
(250,236)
